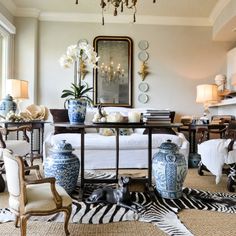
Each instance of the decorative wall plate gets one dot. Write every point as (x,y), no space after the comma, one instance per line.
(143,56)
(143,44)
(143,87)
(143,98)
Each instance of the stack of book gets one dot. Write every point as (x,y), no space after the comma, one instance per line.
(157,116)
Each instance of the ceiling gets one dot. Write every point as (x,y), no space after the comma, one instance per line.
(163,12)
(178,8)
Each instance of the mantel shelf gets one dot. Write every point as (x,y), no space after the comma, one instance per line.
(225,102)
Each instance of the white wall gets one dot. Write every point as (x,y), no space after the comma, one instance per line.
(26,55)
(181,57)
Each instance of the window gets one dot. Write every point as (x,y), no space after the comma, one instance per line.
(7,31)
(1,62)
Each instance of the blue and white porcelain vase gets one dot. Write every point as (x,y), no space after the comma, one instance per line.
(7,104)
(169,169)
(63,165)
(76,111)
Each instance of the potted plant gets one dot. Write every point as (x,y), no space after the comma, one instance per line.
(77,98)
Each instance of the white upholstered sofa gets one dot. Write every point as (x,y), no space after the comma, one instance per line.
(100,151)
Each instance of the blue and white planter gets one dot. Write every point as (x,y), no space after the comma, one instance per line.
(77,111)
(169,169)
(63,165)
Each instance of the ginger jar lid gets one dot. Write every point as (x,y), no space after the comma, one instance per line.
(8,98)
(169,146)
(62,147)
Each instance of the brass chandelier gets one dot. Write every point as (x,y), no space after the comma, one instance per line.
(129,4)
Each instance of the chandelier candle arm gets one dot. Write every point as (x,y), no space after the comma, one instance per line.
(109,73)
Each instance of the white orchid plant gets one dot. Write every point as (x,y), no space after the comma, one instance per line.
(80,56)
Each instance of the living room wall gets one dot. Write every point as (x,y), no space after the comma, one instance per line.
(181,57)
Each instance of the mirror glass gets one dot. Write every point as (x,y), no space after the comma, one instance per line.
(113,77)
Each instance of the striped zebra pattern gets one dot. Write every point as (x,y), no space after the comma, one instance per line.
(163,213)
(159,211)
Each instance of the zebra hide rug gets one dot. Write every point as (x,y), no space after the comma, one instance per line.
(160,212)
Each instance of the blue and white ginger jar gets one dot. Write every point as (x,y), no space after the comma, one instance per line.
(7,104)
(169,169)
(63,165)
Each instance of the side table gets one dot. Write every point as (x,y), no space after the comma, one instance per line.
(36,142)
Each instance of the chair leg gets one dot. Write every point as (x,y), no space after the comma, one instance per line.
(16,222)
(23,224)
(26,164)
(2,183)
(67,214)
(201,167)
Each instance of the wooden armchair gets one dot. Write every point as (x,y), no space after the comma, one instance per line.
(33,198)
(225,152)
(21,147)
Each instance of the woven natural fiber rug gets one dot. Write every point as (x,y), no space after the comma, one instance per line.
(160,212)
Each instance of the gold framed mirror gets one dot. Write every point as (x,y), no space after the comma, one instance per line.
(113,77)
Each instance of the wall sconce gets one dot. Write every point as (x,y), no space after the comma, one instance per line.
(143,71)
(207,94)
(18,89)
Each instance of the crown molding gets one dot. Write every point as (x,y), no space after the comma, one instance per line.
(96,18)
(181,21)
(219,7)
(27,12)
(123,19)
(6,24)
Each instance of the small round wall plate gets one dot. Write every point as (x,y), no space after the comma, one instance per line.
(143,98)
(143,44)
(143,56)
(143,87)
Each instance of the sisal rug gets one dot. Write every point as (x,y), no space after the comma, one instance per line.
(163,213)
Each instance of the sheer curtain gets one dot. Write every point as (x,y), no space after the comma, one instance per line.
(7,31)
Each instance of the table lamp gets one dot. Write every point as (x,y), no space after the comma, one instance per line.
(18,89)
(207,94)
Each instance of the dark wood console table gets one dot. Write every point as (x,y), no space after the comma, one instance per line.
(117,126)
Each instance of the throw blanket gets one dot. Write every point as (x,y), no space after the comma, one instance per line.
(214,154)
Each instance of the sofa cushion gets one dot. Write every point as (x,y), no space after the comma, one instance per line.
(112,131)
(107,131)
(133,141)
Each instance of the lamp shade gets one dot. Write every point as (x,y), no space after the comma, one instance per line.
(207,93)
(18,89)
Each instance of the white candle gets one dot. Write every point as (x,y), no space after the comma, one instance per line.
(134,116)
